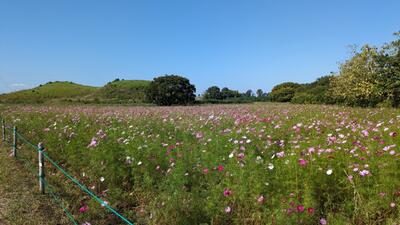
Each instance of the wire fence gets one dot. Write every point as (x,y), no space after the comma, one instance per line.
(44,184)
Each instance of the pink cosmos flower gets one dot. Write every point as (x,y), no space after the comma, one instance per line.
(220,168)
(260,199)
(332,139)
(171,147)
(300,208)
(228,209)
(199,135)
(323,221)
(101,134)
(86,223)
(240,156)
(93,143)
(302,162)
(83,209)
(364,173)
(393,134)
(227,192)
(350,177)
(365,133)
(280,154)
(205,170)
(310,211)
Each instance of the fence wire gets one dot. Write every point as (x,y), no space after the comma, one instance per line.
(29,165)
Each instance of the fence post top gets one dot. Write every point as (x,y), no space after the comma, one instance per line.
(41,145)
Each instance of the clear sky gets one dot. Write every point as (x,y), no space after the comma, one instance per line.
(245,44)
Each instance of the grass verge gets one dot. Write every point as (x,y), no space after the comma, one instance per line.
(20,201)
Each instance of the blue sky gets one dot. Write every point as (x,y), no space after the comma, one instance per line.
(239,44)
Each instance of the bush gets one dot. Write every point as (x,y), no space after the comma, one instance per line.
(284,92)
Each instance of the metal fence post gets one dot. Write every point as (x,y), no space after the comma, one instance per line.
(41,169)
(3,129)
(14,153)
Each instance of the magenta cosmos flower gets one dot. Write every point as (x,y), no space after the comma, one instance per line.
(300,208)
(227,192)
(302,162)
(84,208)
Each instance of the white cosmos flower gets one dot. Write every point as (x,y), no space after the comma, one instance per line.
(329,172)
(102,179)
(270,166)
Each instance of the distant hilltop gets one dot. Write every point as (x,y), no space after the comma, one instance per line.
(117,91)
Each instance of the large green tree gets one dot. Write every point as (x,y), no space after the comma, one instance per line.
(171,90)
(357,83)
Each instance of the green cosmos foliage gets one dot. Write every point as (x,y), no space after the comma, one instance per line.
(225,164)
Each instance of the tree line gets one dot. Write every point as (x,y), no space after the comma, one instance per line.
(177,90)
(369,78)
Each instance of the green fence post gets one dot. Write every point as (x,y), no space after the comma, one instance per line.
(41,169)
(3,129)
(14,153)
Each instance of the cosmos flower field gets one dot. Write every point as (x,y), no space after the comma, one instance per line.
(222,164)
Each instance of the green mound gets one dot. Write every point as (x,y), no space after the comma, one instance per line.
(133,91)
(48,92)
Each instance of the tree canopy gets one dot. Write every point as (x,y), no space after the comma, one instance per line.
(171,90)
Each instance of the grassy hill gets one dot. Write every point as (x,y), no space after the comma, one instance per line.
(48,92)
(132,91)
(118,91)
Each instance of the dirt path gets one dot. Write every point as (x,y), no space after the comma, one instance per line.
(20,201)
